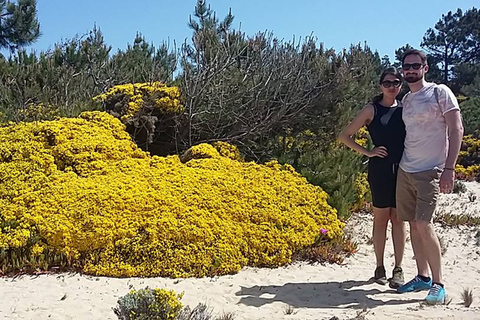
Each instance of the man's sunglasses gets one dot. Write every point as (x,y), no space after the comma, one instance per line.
(415,66)
(388,84)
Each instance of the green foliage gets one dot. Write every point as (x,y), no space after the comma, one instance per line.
(471,116)
(149,304)
(444,41)
(335,171)
(459,187)
(18,24)
(143,62)
(161,304)
(454,43)
(250,90)
(473,89)
(66,78)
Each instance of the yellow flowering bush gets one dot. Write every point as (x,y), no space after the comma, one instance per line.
(362,136)
(468,164)
(127,100)
(36,112)
(228,150)
(362,192)
(148,304)
(79,192)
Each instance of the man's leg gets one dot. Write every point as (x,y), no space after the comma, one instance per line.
(431,250)
(407,207)
(427,192)
(418,249)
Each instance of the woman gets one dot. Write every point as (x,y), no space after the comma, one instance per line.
(383,118)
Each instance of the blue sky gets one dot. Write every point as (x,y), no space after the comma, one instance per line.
(385,25)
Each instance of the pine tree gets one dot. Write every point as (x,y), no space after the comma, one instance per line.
(18,24)
(470,45)
(444,42)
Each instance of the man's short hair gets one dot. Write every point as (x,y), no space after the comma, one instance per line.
(416,52)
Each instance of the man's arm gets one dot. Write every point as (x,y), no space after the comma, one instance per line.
(455,134)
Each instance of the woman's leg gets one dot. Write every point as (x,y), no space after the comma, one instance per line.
(380,222)
(399,236)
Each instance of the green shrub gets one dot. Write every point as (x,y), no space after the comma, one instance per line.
(459,187)
(336,172)
(149,304)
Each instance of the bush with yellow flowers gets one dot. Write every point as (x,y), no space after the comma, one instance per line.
(127,100)
(150,111)
(468,164)
(36,112)
(78,192)
(148,304)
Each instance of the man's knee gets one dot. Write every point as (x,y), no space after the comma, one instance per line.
(423,228)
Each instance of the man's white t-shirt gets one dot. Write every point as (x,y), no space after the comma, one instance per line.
(426,142)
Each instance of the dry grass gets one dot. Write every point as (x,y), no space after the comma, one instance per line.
(467,297)
(361,315)
(333,251)
(226,316)
(447,300)
(288,310)
(472,197)
(443,247)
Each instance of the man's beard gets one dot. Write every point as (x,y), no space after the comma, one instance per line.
(413,78)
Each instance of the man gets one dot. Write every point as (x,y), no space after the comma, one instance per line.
(434,135)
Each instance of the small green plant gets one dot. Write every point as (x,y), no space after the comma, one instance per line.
(149,304)
(453,220)
(459,187)
(467,297)
(477,238)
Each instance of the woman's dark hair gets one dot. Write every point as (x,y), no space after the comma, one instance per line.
(388,71)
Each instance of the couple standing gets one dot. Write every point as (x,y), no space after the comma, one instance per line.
(416,147)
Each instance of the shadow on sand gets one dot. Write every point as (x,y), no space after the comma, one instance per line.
(320,295)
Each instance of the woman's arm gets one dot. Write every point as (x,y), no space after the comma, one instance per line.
(363,117)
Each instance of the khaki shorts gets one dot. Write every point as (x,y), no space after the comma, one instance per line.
(417,194)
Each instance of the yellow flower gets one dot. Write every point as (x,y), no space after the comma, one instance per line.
(79,191)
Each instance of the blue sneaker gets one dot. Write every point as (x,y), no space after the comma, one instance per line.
(416,284)
(436,294)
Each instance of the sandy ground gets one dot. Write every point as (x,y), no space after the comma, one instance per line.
(313,291)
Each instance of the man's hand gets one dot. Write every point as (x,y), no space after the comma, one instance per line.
(446,181)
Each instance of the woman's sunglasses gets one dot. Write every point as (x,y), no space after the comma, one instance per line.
(388,84)
(415,66)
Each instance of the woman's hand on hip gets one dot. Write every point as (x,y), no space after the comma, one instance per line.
(380,152)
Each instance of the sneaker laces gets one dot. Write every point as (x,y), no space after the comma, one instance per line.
(435,290)
(414,280)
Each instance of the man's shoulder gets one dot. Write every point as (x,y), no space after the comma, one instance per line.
(404,98)
(442,87)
